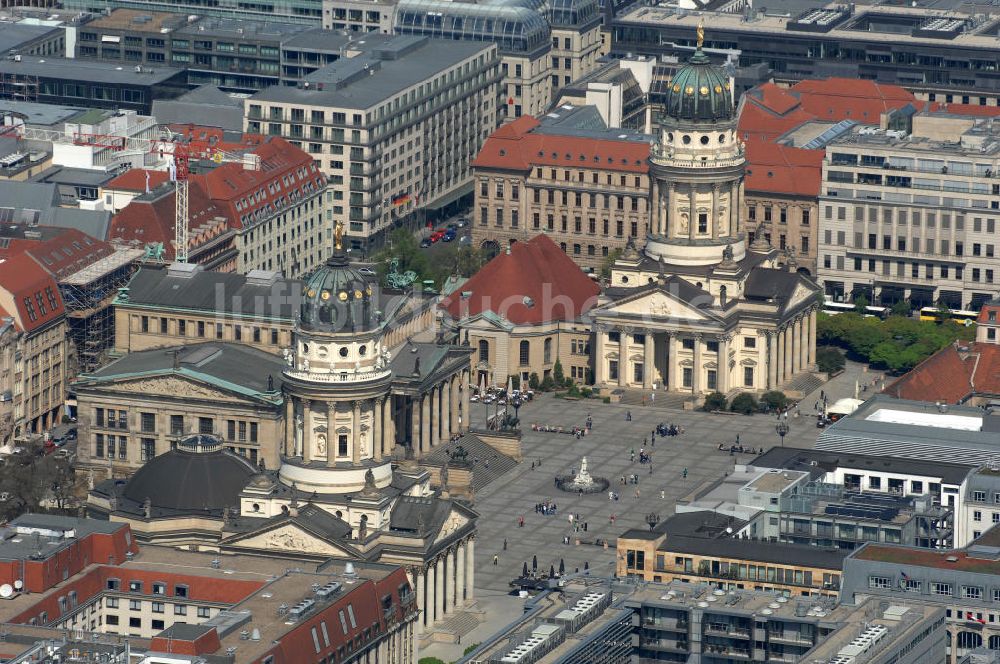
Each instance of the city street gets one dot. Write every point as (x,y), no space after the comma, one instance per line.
(607,449)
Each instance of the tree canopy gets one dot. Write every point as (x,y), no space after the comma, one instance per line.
(450,259)
(897,343)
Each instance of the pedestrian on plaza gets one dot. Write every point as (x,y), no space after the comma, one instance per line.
(663,494)
(496,560)
(532,465)
(504,543)
(628,415)
(684,474)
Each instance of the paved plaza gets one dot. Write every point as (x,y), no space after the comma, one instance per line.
(607,449)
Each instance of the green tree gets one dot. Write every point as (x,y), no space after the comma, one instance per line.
(430,660)
(773,401)
(403,246)
(943,313)
(715,401)
(547,384)
(533,381)
(860,302)
(609,261)
(557,374)
(470,649)
(901,308)
(743,403)
(515,380)
(829,360)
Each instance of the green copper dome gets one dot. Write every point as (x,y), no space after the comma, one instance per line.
(700,91)
(336,298)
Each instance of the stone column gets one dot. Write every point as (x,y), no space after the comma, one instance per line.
(654,213)
(431,594)
(304,442)
(415,424)
(435,401)
(419,582)
(803,344)
(470,570)
(712,219)
(671,379)
(622,357)
(692,212)
(356,432)
(449,582)
(289,427)
(439,588)
(378,423)
(696,373)
(446,411)
(734,209)
(600,363)
(812,338)
(647,360)
(466,391)
(669,222)
(723,365)
(772,359)
(453,409)
(388,427)
(425,423)
(331,433)
(781,358)
(789,372)
(460,575)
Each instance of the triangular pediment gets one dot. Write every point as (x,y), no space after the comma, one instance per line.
(173,385)
(655,303)
(287,537)
(454,522)
(799,295)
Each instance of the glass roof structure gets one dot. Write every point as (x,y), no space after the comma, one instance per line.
(514,27)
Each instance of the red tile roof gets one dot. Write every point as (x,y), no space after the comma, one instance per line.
(966,109)
(836,99)
(952,375)
(30,291)
(781,169)
(135,180)
(516,147)
(66,253)
(536,282)
(984,314)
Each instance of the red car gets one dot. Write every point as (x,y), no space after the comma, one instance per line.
(436,235)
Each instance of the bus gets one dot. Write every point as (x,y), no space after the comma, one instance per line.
(833,308)
(959,316)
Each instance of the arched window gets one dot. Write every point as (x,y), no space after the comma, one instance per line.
(484,350)
(547,348)
(722,295)
(524,353)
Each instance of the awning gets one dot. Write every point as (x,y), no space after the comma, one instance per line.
(449,198)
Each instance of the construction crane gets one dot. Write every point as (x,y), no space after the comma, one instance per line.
(180,152)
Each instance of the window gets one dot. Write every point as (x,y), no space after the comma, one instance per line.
(879,582)
(180,610)
(111,602)
(114,584)
(747,376)
(875,483)
(749,342)
(176,425)
(911,585)
(977,516)
(484,350)
(979,496)
(157,607)
(524,352)
(938,588)
(180,591)
(547,351)
(972,592)
(135,586)
(205,425)
(204,612)
(147,448)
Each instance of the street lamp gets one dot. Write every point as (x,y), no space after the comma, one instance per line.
(516,402)
(782,430)
(652,519)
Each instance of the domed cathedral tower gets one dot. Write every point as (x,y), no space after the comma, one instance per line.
(338,419)
(696,169)
(698,311)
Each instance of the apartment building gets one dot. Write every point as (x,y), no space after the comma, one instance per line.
(34,347)
(394,126)
(587,189)
(707,547)
(305,12)
(912,215)
(359,15)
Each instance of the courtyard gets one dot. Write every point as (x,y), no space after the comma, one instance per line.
(608,450)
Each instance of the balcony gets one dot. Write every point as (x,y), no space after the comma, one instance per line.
(789,637)
(666,624)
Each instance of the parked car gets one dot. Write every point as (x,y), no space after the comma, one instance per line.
(426,242)
(463,222)
(436,236)
(465,239)
(449,235)
(367,271)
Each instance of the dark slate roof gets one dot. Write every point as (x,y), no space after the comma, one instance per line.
(766,283)
(791,458)
(311,518)
(230,366)
(704,533)
(262,295)
(182,481)
(206,106)
(410,510)
(680,288)
(433,358)
(185,632)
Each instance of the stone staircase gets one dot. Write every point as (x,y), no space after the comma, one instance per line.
(662,400)
(460,623)
(487,463)
(802,385)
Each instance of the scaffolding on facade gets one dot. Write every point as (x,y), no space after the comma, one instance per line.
(88,295)
(19,87)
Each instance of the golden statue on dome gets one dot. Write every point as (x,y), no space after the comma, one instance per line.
(338,236)
(701,32)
